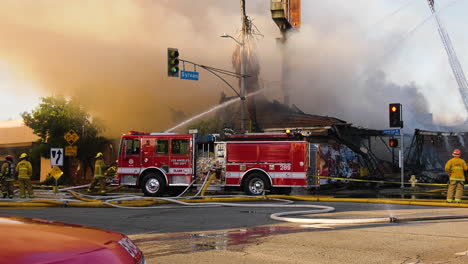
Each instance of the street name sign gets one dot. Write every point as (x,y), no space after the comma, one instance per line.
(394,132)
(189,75)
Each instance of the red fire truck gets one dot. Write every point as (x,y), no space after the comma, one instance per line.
(255,162)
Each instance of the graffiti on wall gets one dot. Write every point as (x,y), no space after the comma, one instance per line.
(339,161)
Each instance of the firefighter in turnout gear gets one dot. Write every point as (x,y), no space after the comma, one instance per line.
(99,177)
(456,168)
(7,176)
(24,171)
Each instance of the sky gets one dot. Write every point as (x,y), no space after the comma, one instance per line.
(349,59)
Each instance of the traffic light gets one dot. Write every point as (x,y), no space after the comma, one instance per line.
(393,142)
(172,62)
(395,115)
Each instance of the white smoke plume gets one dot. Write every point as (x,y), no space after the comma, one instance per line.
(111,55)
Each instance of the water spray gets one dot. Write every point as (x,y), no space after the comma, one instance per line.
(209,111)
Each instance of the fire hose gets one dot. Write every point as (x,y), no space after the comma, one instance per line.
(196,201)
(316,209)
(137,202)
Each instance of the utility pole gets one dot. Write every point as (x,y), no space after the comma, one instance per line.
(287,15)
(242,65)
(282,43)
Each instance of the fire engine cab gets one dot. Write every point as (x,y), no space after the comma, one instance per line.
(254,162)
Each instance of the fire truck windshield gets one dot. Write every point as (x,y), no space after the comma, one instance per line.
(133,146)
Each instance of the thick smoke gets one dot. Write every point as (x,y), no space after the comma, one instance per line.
(341,67)
(111,55)
(416,113)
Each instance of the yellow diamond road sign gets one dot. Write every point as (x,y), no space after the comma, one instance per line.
(56,172)
(71,137)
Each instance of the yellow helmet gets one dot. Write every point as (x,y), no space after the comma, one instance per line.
(23,156)
(99,154)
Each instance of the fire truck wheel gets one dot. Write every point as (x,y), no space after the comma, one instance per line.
(153,185)
(256,184)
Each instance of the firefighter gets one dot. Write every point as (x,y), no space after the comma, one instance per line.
(456,168)
(99,177)
(7,177)
(24,171)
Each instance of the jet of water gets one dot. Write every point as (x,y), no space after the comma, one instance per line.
(447,144)
(461,140)
(209,111)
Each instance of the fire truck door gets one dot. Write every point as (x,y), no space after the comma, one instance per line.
(131,155)
(161,154)
(147,152)
(181,157)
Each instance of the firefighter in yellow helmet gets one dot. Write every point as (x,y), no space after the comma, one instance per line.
(7,176)
(24,171)
(99,177)
(456,168)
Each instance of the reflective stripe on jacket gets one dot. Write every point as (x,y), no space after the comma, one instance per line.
(8,170)
(99,168)
(456,168)
(24,169)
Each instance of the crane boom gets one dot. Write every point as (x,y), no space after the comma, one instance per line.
(452,57)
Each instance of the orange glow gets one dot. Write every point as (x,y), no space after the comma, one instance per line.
(393,109)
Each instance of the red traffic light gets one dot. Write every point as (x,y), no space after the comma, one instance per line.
(395,115)
(393,142)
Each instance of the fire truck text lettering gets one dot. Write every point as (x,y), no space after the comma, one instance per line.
(180,162)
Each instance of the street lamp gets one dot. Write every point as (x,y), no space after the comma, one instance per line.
(229,36)
(242,88)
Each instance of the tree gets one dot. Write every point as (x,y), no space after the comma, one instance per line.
(52,119)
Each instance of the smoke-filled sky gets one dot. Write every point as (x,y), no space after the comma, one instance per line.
(349,59)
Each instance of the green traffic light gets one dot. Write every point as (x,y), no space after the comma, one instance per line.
(172,62)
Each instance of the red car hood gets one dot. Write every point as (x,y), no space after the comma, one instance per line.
(34,241)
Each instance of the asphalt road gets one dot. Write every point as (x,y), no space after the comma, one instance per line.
(248,235)
(135,221)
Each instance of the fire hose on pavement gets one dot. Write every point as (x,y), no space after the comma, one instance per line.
(196,201)
(137,202)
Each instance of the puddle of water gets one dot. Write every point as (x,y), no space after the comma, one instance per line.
(184,243)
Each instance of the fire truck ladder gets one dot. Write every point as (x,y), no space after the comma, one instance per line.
(452,56)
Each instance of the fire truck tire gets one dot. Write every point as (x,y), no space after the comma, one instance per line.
(153,185)
(256,184)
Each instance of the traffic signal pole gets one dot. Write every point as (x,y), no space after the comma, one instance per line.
(402,158)
(396,120)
